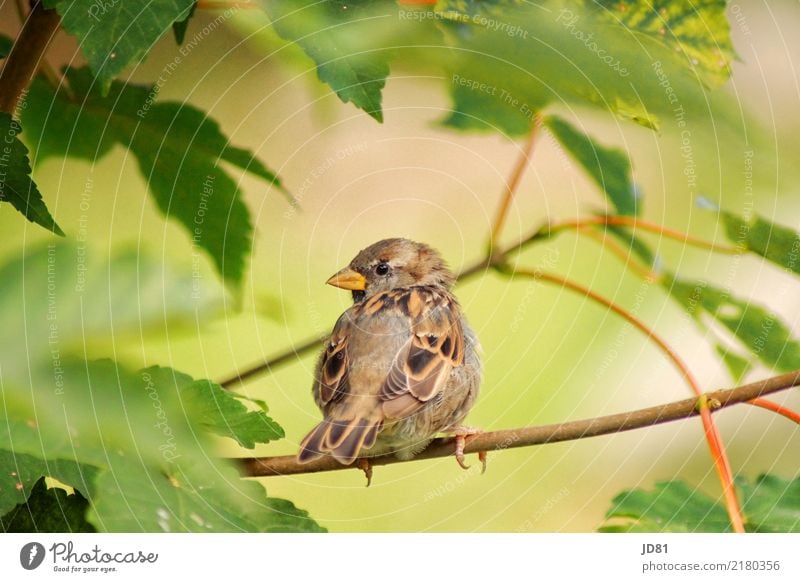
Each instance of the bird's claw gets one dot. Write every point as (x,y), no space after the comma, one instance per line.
(460,434)
(366,466)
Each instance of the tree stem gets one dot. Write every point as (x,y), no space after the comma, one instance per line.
(28,50)
(539,435)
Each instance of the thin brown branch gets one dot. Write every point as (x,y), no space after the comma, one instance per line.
(539,435)
(26,54)
(513,184)
(638,223)
(620,252)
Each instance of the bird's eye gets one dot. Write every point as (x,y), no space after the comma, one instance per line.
(382,269)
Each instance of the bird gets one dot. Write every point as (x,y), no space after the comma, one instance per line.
(401,365)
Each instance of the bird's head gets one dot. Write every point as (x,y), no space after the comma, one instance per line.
(391,264)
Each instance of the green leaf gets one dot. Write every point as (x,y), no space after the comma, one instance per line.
(114,35)
(343,38)
(761,331)
(179,27)
(180,151)
(672,506)
(220,412)
(737,365)
(5,46)
(16,185)
(769,504)
(59,296)
(48,511)
(698,33)
(157,465)
(774,242)
(19,472)
(519,57)
(610,168)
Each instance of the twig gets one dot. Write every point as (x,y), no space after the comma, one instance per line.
(648,226)
(27,52)
(513,183)
(538,435)
(621,253)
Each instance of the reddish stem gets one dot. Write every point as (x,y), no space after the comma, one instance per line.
(769,405)
(712,435)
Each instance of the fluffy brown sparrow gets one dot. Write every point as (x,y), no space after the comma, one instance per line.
(401,364)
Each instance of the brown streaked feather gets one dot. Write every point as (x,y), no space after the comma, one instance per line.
(333,369)
(435,347)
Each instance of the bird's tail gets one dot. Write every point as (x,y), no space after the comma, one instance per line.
(342,438)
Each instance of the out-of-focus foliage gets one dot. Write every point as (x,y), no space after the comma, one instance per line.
(769,504)
(179,149)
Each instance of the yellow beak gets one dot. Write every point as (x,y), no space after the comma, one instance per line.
(349,279)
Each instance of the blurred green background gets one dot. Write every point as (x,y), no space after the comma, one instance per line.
(549,355)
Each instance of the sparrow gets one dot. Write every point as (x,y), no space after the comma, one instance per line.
(401,365)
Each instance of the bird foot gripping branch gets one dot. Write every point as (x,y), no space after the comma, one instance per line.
(460,435)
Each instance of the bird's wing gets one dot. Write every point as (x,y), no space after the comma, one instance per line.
(435,346)
(333,366)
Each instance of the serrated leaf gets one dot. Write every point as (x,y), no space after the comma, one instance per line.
(205,496)
(179,27)
(19,472)
(609,168)
(114,35)
(16,185)
(698,32)
(530,55)
(672,506)
(737,365)
(769,504)
(48,511)
(220,412)
(344,41)
(156,463)
(761,331)
(5,46)
(774,242)
(179,150)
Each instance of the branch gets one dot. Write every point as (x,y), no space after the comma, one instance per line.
(538,435)
(635,223)
(513,183)
(26,54)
